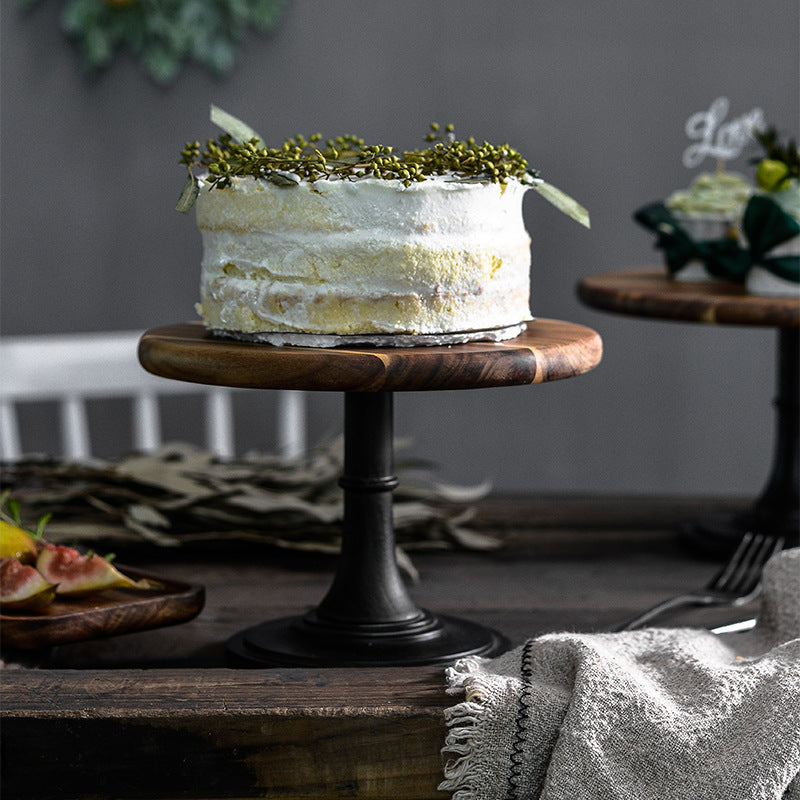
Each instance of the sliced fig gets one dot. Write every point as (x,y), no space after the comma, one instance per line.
(22,587)
(16,542)
(78,574)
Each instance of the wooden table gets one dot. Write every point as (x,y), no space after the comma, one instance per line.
(158,715)
(650,293)
(367,617)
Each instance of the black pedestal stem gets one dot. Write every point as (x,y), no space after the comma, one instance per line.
(367,617)
(777,510)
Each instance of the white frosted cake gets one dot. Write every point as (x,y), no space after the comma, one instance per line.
(364,256)
(348,240)
(709,210)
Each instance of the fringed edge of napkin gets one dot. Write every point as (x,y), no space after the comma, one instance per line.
(461,772)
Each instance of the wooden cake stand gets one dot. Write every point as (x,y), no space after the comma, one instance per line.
(651,293)
(367,617)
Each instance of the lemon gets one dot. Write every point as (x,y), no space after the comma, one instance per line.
(16,543)
(772,175)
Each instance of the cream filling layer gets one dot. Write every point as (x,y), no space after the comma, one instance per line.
(350,262)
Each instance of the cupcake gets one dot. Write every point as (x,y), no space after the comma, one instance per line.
(709,211)
(772,221)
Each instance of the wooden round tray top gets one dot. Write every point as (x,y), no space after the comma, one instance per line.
(652,293)
(368,617)
(548,350)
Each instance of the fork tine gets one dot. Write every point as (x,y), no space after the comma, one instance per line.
(753,559)
(749,571)
(742,573)
(720,581)
(751,577)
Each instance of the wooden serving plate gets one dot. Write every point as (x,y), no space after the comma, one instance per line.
(102,614)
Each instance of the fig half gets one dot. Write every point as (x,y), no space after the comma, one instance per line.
(78,574)
(22,587)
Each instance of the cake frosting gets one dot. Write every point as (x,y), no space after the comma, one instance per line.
(722,194)
(344,239)
(364,256)
(709,210)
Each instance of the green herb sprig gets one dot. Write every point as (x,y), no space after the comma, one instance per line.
(240,152)
(10,512)
(788,154)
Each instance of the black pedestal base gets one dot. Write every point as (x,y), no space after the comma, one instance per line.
(719,535)
(308,641)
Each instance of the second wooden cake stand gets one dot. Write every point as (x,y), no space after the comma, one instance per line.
(652,294)
(367,617)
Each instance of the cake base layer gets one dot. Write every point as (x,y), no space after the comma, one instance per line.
(280,338)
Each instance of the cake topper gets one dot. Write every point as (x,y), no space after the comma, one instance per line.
(717,139)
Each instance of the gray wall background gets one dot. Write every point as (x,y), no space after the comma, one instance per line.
(595,94)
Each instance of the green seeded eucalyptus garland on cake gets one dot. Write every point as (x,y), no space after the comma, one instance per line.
(240,152)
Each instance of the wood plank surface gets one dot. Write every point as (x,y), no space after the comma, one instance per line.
(652,293)
(157,714)
(548,350)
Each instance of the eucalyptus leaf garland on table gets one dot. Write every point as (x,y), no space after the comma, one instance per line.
(182,496)
(162,34)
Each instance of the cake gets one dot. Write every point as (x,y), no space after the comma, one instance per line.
(710,210)
(349,240)
(772,221)
(698,229)
(367,256)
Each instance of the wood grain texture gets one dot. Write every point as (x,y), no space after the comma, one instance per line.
(157,715)
(548,350)
(651,293)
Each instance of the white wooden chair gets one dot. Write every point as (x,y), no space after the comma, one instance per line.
(73,368)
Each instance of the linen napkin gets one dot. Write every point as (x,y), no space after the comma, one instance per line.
(655,714)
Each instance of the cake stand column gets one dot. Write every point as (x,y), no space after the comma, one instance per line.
(777,509)
(367,617)
(781,497)
(368,585)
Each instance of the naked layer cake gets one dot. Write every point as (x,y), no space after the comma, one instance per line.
(344,239)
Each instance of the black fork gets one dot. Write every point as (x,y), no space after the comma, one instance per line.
(737,582)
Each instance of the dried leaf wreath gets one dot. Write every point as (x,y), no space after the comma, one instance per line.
(182,495)
(162,34)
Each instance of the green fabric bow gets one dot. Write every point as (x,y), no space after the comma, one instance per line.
(766,225)
(722,258)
